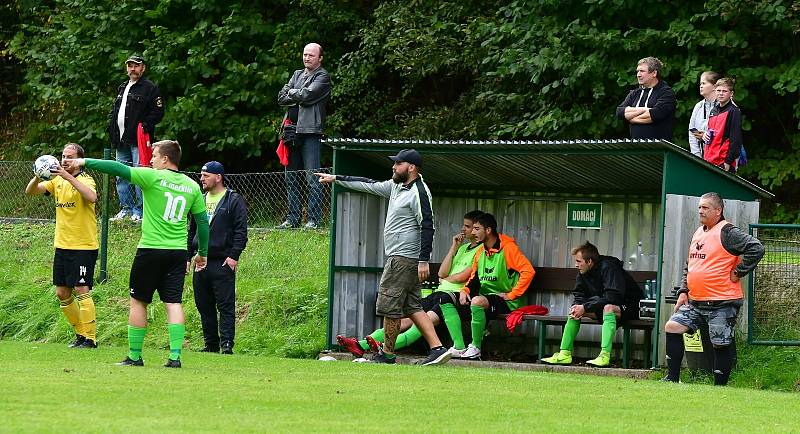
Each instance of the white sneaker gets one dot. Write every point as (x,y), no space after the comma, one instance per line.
(472,352)
(136,219)
(120,215)
(456,353)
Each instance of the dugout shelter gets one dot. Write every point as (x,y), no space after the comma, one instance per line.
(634,199)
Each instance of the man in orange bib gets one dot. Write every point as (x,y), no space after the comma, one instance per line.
(720,254)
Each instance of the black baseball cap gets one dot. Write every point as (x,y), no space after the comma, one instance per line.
(135,58)
(408,156)
(214,167)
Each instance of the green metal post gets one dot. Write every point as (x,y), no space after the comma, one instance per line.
(332,256)
(104,223)
(659,273)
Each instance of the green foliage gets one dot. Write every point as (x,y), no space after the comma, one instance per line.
(219,65)
(557,70)
(449,69)
(281,310)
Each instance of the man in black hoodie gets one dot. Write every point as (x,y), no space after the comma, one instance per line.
(650,108)
(215,285)
(604,291)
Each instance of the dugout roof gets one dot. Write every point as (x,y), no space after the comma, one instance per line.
(623,167)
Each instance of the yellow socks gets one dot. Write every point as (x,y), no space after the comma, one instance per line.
(88,316)
(72,312)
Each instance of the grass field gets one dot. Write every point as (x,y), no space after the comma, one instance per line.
(281,292)
(49,388)
(281,302)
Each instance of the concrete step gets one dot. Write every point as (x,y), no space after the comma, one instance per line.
(405,359)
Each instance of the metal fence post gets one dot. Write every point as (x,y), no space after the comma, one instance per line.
(104,223)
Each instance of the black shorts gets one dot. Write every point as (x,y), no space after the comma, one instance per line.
(158,270)
(628,313)
(434,301)
(73,268)
(497,307)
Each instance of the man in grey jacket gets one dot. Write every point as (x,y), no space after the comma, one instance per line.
(305,97)
(408,242)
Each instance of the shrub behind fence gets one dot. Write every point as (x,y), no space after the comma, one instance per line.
(774,312)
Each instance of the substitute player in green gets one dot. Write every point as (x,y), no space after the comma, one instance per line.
(442,305)
(75,241)
(500,276)
(160,262)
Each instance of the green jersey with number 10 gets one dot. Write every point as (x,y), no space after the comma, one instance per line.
(169,197)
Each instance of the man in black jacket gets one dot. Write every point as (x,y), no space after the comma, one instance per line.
(650,108)
(604,292)
(215,286)
(138,102)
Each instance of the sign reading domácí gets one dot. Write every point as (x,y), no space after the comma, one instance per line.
(584,215)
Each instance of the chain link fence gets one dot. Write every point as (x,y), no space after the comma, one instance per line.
(774,311)
(266,195)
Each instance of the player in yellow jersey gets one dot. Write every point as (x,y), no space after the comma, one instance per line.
(75,242)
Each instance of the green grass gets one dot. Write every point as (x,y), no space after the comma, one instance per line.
(281,301)
(48,387)
(281,292)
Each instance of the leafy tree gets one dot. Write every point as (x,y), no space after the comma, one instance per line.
(219,65)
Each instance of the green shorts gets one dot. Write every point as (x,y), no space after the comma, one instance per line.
(399,292)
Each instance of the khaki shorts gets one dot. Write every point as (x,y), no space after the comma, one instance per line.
(399,292)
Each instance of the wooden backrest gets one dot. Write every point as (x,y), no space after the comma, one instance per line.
(547,279)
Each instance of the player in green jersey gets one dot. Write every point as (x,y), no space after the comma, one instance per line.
(160,262)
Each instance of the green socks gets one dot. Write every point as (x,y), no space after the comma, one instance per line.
(176,334)
(135,341)
(407,338)
(377,335)
(478,325)
(453,323)
(571,329)
(609,330)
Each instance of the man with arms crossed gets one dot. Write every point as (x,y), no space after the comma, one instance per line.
(408,241)
(720,255)
(75,194)
(160,262)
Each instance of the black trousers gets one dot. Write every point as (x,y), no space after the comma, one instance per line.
(215,290)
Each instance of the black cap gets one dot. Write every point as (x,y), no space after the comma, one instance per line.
(135,58)
(408,156)
(214,167)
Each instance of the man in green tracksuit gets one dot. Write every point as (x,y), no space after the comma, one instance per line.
(442,305)
(500,276)
(160,262)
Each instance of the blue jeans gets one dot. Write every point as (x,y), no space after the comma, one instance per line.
(130,196)
(304,155)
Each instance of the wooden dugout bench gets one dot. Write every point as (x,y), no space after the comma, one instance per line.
(552,281)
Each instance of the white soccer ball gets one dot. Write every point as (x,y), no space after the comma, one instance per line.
(42,166)
(327,359)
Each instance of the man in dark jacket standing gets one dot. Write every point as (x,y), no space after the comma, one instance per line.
(650,108)
(215,286)
(138,102)
(305,97)
(604,292)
